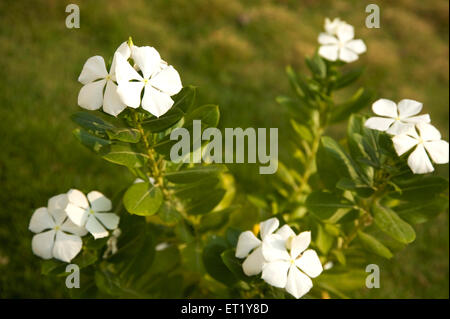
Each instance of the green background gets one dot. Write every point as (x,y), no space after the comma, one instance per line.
(235,52)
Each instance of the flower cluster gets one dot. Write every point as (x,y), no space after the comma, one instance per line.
(338,43)
(410,130)
(281,256)
(68,217)
(133,70)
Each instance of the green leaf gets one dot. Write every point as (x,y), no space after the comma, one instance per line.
(159,124)
(169,214)
(124,155)
(143,199)
(420,188)
(233,264)
(128,135)
(420,212)
(208,114)
(301,110)
(324,241)
(317,66)
(194,174)
(372,244)
(325,204)
(348,78)
(356,103)
(207,203)
(214,220)
(390,223)
(213,262)
(185,99)
(333,163)
(302,131)
(94,143)
(351,280)
(91,123)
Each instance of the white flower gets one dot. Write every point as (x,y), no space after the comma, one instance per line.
(250,247)
(91,213)
(158,80)
(396,119)
(341,46)
(428,143)
(56,236)
(331,26)
(94,77)
(290,270)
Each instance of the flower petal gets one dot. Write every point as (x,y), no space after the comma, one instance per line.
(168,81)
(400,128)
(268,226)
(385,107)
(300,243)
(419,162)
(69,227)
(345,32)
(112,103)
(428,132)
(274,248)
(130,93)
(125,51)
(99,202)
(156,102)
(91,95)
(124,72)
(66,246)
(325,38)
(275,273)
(357,46)
(253,264)
(247,241)
(56,207)
(408,108)
(95,228)
(77,197)
(425,118)
(93,69)
(41,220)
(403,143)
(285,232)
(77,214)
(310,263)
(42,244)
(109,220)
(298,284)
(329,52)
(147,59)
(379,123)
(438,151)
(347,55)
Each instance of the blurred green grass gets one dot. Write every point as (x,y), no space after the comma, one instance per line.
(236,52)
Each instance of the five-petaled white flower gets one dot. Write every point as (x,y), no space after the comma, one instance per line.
(248,242)
(396,119)
(290,270)
(341,45)
(91,212)
(158,80)
(56,236)
(428,143)
(94,77)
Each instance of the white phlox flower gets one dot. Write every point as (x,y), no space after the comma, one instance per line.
(428,147)
(95,77)
(158,80)
(341,45)
(289,264)
(396,119)
(91,212)
(56,235)
(250,247)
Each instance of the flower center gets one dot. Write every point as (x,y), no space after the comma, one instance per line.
(292,261)
(420,140)
(145,81)
(108,77)
(91,211)
(57,227)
